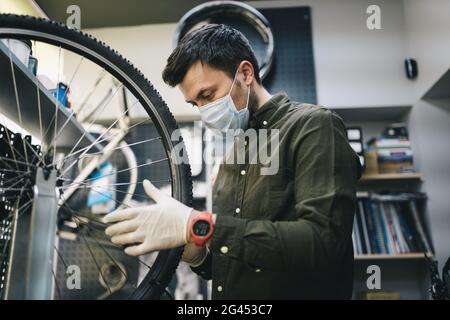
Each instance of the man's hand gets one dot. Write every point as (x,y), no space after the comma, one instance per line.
(163,225)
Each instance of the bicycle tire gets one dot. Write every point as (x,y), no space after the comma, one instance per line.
(27,27)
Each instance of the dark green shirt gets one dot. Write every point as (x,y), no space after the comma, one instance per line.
(287,235)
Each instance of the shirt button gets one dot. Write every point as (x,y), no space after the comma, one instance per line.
(237,210)
(224,250)
(243,173)
(219,288)
(265,122)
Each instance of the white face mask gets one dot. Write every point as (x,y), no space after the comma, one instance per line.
(222,114)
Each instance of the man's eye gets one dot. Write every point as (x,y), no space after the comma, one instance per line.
(207,97)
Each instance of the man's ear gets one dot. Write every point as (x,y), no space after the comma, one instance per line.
(248,71)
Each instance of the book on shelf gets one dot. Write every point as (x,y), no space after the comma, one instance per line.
(379,295)
(390,224)
(393,150)
(395,154)
(393,143)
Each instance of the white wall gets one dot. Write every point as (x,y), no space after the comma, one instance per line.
(148,48)
(356,66)
(20,7)
(428,26)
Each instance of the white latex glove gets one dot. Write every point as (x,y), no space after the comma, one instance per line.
(163,225)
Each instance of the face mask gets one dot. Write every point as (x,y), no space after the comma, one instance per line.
(222,114)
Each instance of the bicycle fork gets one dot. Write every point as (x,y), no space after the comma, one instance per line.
(31,265)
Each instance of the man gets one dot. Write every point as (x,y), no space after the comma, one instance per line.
(276,236)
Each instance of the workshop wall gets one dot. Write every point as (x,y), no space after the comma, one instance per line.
(20,7)
(354,66)
(429,38)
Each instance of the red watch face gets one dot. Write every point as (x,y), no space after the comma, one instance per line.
(201,228)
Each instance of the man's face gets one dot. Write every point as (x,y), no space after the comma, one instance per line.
(204,84)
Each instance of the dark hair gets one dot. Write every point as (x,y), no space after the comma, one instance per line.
(218,45)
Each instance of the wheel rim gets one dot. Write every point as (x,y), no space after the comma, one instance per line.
(135,88)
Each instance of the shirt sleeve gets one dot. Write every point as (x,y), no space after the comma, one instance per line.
(204,269)
(326,173)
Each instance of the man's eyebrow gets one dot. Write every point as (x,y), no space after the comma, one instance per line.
(199,94)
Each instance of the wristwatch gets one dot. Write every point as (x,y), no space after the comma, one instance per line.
(202,228)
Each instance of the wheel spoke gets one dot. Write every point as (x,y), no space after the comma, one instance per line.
(85,131)
(100,141)
(122,147)
(128,169)
(13,73)
(13,171)
(56,106)
(17,161)
(107,253)
(15,178)
(12,185)
(96,262)
(94,88)
(119,183)
(96,140)
(58,289)
(125,170)
(36,155)
(60,257)
(92,187)
(38,96)
(53,141)
(64,96)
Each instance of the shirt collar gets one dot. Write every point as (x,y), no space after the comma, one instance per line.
(265,115)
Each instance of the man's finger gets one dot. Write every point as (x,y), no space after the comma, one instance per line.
(120,215)
(151,190)
(122,227)
(127,238)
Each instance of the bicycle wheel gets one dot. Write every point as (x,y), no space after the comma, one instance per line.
(47,198)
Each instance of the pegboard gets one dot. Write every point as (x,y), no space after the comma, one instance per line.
(81,253)
(148,152)
(293,68)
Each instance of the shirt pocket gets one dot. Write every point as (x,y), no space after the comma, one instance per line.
(223,197)
(278,198)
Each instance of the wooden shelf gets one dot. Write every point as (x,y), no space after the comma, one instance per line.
(372,113)
(391,256)
(391,176)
